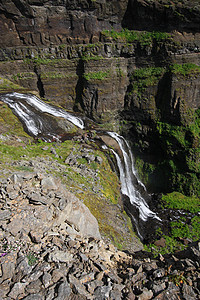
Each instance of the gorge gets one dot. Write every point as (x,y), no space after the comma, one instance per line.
(31,112)
(127,73)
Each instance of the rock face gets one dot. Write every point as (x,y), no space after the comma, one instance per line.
(162,15)
(48,252)
(46,23)
(61,49)
(56,208)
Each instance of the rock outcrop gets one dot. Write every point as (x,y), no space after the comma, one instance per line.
(60,48)
(47,253)
(56,208)
(44,23)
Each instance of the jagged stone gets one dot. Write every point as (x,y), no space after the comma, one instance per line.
(50,295)
(46,279)
(60,256)
(64,291)
(81,268)
(33,276)
(5,287)
(159,273)
(92,285)
(78,287)
(57,275)
(146,295)
(79,217)
(36,236)
(34,287)
(8,266)
(138,277)
(37,199)
(188,292)
(5,214)
(34,297)
(13,194)
(23,268)
(48,183)
(102,292)
(157,288)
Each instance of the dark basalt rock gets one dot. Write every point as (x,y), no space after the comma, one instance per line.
(56,22)
(163,15)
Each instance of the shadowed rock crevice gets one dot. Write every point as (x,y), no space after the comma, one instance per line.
(24,8)
(79,105)
(40,85)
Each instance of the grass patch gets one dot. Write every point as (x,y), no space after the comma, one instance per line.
(185,228)
(185,69)
(145,77)
(25,75)
(41,61)
(170,133)
(32,259)
(100,75)
(177,200)
(88,57)
(10,124)
(129,36)
(7,85)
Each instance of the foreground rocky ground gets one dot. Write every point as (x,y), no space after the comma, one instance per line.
(51,248)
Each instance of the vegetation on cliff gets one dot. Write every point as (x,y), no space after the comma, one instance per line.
(143,37)
(136,74)
(182,229)
(93,182)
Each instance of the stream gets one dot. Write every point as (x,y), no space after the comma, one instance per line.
(33,113)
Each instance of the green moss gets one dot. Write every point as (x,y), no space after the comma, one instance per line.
(144,169)
(182,230)
(23,75)
(185,228)
(32,259)
(88,57)
(62,47)
(82,161)
(179,230)
(129,36)
(100,75)
(177,200)
(145,77)
(171,246)
(10,124)
(184,69)
(169,134)
(7,85)
(110,183)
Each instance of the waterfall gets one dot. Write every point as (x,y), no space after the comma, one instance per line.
(15,102)
(128,175)
(30,110)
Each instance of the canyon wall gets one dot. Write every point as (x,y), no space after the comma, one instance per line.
(82,55)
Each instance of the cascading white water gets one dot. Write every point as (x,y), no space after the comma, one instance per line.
(127,171)
(29,108)
(13,101)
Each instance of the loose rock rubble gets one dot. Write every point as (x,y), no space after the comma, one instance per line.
(51,249)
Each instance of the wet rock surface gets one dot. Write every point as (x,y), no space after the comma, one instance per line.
(47,252)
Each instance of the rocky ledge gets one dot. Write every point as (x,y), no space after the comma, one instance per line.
(51,249)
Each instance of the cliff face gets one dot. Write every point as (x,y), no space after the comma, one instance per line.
(163,15)
(45,23)
(76,53)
